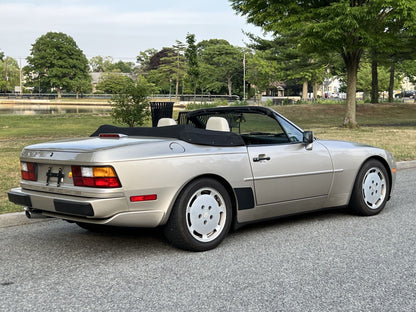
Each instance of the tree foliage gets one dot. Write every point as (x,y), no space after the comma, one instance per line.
(107,64)
(9,74)
(168,67)
(343,26)
(144,60)
(114,83)
(131,106)
(56,62)
(191,54)
(364,79)
(221,62)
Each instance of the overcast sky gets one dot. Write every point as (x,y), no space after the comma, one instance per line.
(120,29)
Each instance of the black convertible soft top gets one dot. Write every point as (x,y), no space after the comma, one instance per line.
(181,132)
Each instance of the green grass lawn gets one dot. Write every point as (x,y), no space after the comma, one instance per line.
(392,127)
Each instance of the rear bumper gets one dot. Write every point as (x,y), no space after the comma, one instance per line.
(110,211)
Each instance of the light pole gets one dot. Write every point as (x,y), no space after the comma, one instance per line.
(6,77)
(170,88)
(244,77)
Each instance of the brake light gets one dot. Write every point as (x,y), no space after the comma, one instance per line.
(100,177)
(28,171)
(111,135)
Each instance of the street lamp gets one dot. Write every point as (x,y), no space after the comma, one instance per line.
(170,88)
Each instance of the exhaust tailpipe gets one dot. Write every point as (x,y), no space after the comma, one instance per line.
(33,213)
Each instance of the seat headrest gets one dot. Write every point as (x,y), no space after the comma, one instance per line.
(217,124)
(163,122)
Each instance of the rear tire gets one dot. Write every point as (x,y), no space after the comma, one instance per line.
(371,189)
(201,216)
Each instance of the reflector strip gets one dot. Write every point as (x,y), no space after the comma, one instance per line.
(140,198)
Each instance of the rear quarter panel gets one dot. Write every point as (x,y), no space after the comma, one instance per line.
(167,173)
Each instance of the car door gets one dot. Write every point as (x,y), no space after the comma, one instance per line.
(290,172)
(284,168)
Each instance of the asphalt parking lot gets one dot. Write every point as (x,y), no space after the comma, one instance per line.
(325,261)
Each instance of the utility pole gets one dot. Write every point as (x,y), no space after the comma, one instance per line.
(20,65)
(244,77)
(6,77)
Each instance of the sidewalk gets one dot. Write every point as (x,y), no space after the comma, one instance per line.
(19,218)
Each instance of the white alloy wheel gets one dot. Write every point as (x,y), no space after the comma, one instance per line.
(374,188)
(371,189)
(201,216)
(206,214)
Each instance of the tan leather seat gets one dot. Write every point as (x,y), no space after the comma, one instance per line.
(217,124)
(163,122)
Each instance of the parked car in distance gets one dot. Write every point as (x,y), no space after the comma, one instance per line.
(217,169)
(405,94)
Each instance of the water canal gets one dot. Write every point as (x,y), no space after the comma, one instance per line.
(40,109)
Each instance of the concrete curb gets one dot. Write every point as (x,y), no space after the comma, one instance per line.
(401,165)
(19,218)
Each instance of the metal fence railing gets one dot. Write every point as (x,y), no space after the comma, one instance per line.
(182,98)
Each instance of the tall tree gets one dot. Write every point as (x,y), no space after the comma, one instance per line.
(9,74)
(262,71)
(191,54)
(220,64)
(81,86)
(293,63)
(107,64)
(113,83)
(57,61)
(101,64)
(168,66)
(365,79)
(143,59)
(344,26)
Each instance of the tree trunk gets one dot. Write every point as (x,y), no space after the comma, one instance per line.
(352,61)
(230,86)
(391,83)
(315,91)
(194,93)
(59,93)
(177,88)
(305,90)
(374,82)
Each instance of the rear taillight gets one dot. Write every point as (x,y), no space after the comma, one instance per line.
(28,171)
(100,177)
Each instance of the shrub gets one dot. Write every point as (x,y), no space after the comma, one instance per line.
(132,105)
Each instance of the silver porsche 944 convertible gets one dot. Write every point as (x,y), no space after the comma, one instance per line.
(209,171)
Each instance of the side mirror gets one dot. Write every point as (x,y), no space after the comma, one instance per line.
(308,139)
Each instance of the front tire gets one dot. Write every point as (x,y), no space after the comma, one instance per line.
(371,189)
(201,216)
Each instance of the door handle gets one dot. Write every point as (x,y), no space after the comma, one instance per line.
(260,158)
